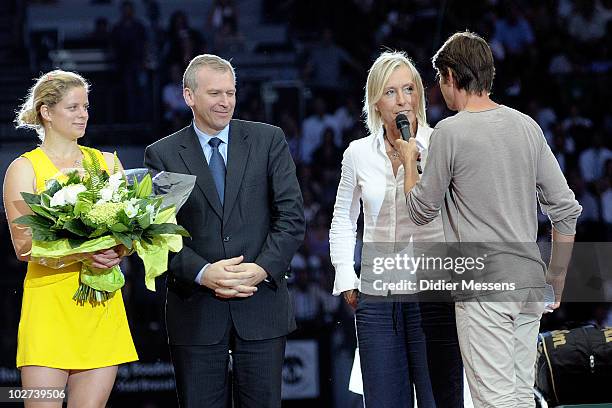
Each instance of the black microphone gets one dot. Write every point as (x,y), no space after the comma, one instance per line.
(403,125)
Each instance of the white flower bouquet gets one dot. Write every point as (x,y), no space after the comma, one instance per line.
(82,213)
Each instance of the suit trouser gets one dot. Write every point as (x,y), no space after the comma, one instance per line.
(202,379)
(498,340)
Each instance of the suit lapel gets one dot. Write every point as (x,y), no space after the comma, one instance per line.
(193,156)
(237,156)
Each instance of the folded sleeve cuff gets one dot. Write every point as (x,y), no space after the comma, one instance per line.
(346,279)
(198,278)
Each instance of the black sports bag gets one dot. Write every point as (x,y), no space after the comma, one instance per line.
(575,366)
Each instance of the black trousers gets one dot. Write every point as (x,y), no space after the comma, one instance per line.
(203,381)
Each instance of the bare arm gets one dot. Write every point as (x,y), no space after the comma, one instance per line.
(409,153)
(110,161)
(559,203)
(560,256)
(411,175)
(20,177)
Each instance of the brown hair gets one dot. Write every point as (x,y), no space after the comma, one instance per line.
(469,58)
(48,90)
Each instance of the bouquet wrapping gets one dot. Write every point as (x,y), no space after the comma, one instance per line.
(81,212)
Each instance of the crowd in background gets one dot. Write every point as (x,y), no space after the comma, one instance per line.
(552,62)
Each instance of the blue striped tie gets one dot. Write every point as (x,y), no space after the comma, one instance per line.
(217,167)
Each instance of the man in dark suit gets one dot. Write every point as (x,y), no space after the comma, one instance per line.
(227,288)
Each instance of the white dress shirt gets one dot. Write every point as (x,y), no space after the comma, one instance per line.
(204,138)
(367,175)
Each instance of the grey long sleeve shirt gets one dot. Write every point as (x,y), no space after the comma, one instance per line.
(487,171)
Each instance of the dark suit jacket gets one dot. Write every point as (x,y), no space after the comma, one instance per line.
(262,219)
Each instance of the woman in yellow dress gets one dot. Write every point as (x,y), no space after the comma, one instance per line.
(61,342)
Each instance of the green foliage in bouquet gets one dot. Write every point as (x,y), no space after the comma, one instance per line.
(78,214)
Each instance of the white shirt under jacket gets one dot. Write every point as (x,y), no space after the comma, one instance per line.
(367,175)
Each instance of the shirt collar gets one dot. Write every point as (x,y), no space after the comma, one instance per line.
(379,142)
(205,137)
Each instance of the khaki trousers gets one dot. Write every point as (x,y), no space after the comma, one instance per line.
(498,339)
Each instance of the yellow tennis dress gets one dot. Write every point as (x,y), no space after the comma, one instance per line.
(54,330)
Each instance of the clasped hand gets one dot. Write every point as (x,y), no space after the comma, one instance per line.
(231,278)
(107,258)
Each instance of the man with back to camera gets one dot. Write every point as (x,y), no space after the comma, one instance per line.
(486,167)
(227,287)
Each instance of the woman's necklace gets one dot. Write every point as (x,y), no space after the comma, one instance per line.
(394,153)
(72,163)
